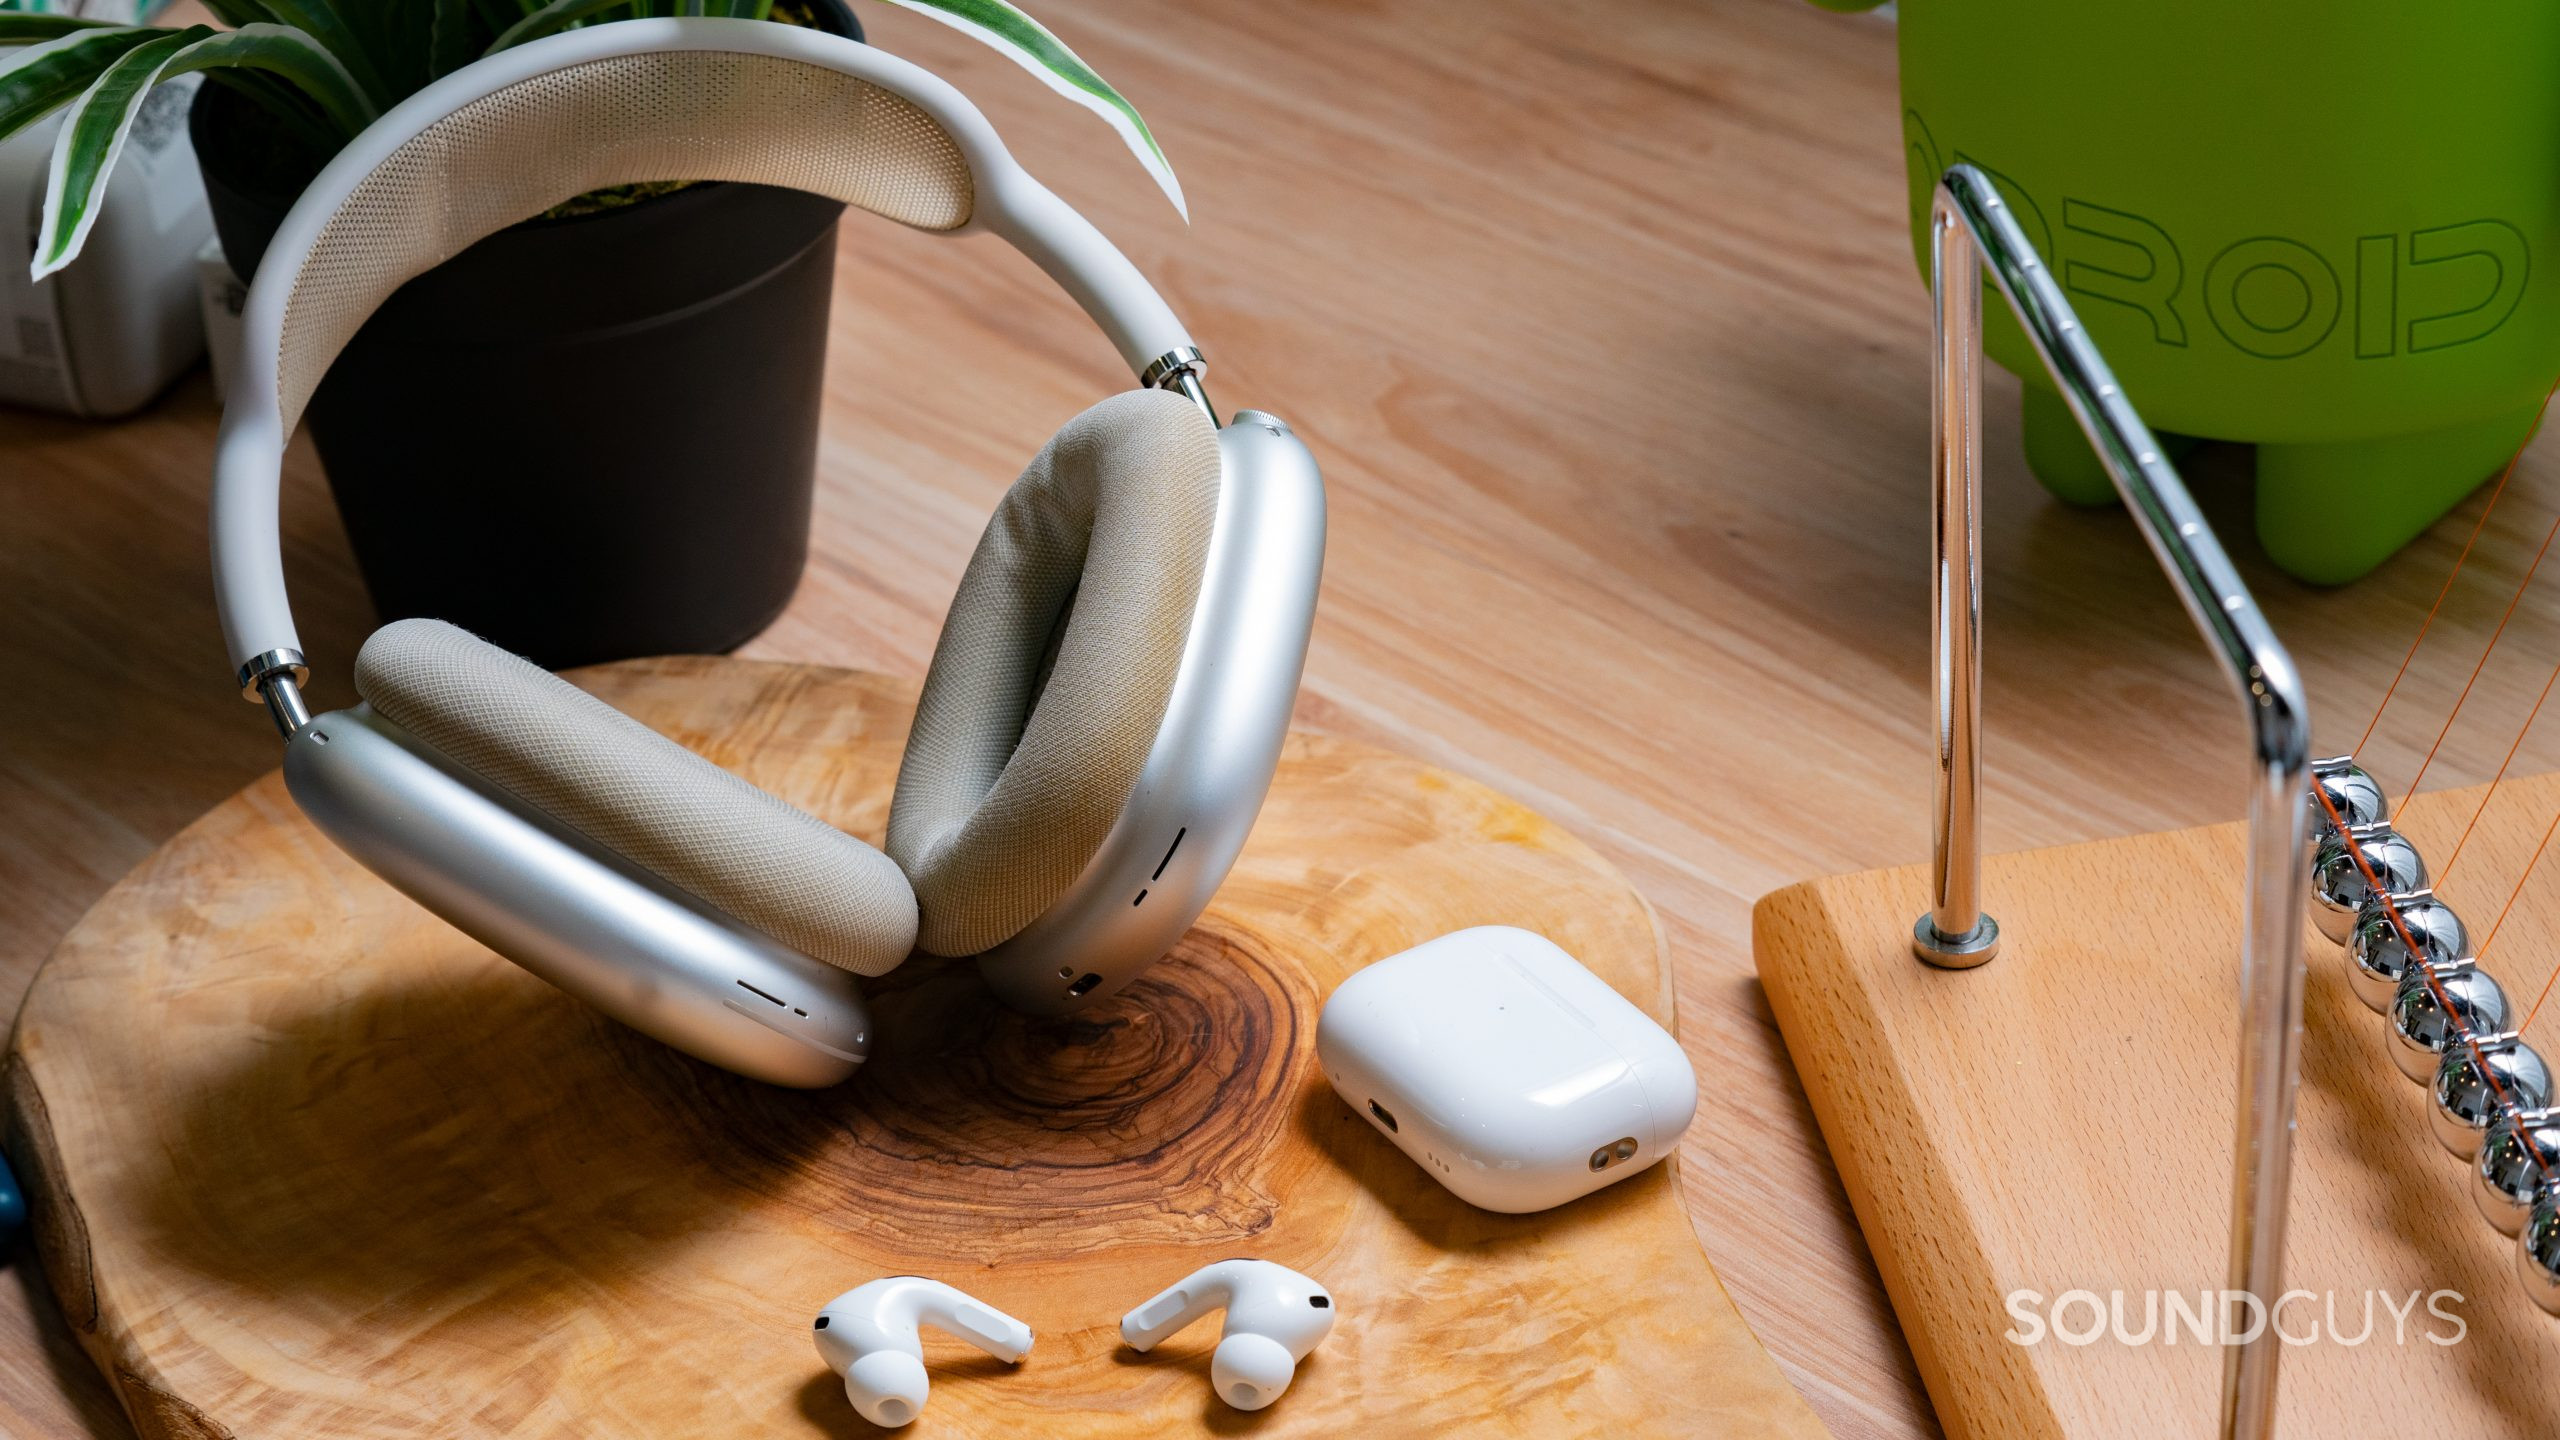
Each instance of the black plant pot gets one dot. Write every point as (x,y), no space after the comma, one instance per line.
(584,438)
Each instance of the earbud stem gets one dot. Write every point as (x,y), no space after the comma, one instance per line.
(984,1326)
(1167,1314)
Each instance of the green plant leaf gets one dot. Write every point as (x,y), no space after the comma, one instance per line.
(18,27)
(94,132)
(40,79)
(238,13)
(326,21)
(294,56)
(497,15)
(398,36)
(85,150)
(1030,45)
(552,18)
(449,38)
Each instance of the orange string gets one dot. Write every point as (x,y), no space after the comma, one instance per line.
(2546,991)
(2373,882)
(2502,919)
(2499,778)
(2400,927)
(2460,700)
(2511,904)
(2458,562)
(2512,895)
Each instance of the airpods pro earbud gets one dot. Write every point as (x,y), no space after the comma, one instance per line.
(1274,1317)
(868,1335)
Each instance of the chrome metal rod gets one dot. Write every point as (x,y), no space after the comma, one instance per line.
(1188,385)
(1180,371)
(1955,933)
(285,704)
(2271,982)
(2262,674)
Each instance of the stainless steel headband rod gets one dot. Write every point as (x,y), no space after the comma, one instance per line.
(1970,231)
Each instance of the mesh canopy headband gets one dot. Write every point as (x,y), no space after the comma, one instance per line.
(512,135)
(672,115)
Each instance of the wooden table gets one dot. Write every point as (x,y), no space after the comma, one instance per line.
(1605,327)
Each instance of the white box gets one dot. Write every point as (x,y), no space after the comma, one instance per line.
(109,331)
(1500,1065)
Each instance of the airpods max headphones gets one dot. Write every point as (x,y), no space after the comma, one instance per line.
(1105,707)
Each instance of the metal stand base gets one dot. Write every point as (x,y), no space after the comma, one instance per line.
(1956,952)
(1971,232)
(2062,1120)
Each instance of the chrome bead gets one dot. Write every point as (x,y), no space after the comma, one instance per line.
(2480,1081)
(2337,881)
(2422,1029)
(2376,956)
(2355,795)
(2518,1157)
(2538,1252)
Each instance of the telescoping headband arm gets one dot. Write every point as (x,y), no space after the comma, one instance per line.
(512,135)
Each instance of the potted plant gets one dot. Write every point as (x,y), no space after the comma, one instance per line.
(488,435)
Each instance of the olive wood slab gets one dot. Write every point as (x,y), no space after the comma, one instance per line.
(2061,1119)
(309,1163)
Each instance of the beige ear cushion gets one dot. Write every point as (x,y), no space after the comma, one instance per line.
(766,864)
(1010,784)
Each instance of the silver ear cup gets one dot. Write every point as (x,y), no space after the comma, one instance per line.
(740,851)
(571,912)
(1215,753)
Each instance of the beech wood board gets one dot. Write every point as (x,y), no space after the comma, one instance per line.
(1608,337)
(310,1163)
(2062,1117)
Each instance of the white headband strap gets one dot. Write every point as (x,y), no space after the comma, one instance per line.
(247,560)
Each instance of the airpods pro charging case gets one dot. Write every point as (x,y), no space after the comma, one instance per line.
(1516,1077)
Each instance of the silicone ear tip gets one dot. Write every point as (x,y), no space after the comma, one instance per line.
(1250,1371)
(887,1387)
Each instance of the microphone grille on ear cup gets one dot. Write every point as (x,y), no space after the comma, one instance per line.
(747,853)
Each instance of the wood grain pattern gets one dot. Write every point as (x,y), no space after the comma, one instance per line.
(314,1164)
(1604,324)
(2060,1120)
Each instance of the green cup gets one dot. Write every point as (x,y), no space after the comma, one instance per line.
(2310,227)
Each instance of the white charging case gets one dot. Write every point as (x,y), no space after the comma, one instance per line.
(1516,1077)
